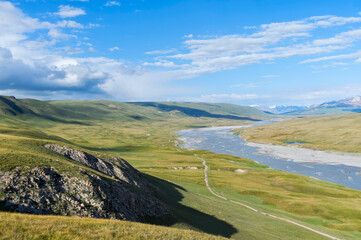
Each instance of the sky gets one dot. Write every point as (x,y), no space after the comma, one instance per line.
(249,52)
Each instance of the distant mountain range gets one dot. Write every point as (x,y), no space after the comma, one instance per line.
(347,102)
(346,105)
(280,109)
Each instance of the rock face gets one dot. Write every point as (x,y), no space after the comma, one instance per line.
(118,168)
(125,194)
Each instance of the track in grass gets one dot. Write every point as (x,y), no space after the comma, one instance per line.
(253,209)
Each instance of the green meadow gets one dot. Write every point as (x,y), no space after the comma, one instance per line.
(144,135)
(331,132)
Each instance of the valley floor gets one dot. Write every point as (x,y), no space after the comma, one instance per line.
(144,136)
(299,154)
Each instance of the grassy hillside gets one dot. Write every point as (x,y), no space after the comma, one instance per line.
(144,135)
(323,111)
(24,226)
(336,132)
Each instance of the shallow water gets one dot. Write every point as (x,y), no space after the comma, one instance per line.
(295,142)
(221,140)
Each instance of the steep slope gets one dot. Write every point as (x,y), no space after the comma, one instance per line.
(11,106)
(109,188)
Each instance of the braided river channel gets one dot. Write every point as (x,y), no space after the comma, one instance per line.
(335,167)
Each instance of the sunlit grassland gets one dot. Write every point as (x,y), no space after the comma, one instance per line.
(148,143)
(317,203)
(336,132)
(24,226)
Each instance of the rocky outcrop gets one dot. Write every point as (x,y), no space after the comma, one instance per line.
(125,194)
(116,167)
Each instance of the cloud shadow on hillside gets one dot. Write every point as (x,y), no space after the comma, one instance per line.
(192,112)
(171,195)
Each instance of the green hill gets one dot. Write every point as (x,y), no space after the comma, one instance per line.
(98,108)
(323,111)
(144,135)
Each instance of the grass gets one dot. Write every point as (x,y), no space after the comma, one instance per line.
(323,111)
(145,137)
(335,132)
(24,226)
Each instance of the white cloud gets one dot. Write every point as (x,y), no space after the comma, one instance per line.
(270,76)
(66,11)
(92,25)
(330,93)
(57,33)
(243,85)
(272,41)
(341,56)
(114,49)
(69,24)
(36,66)
(40,64)
(31,64)
(188,36)
(160,52)
(112,3)
(226,97)
(164,63)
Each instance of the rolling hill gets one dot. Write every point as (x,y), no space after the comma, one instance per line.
(84,155)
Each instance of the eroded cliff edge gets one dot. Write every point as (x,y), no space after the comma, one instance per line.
(109,188)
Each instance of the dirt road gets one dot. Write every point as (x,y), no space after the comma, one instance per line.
(253,209)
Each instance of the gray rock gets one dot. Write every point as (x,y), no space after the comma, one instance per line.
(118,168)
(44,190)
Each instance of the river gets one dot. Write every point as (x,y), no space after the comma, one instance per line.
(222,140)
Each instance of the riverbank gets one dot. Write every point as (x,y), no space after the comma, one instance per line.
(339,133)
(334,167)
(306,155)
(292,193)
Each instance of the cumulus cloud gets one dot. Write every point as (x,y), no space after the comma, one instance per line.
(35,64)
(31,64)
(66,11)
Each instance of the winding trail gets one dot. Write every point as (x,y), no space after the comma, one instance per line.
(255,210)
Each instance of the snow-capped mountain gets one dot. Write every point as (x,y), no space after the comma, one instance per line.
(280,109)
(354,102)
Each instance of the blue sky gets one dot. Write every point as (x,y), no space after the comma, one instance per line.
(245,52)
